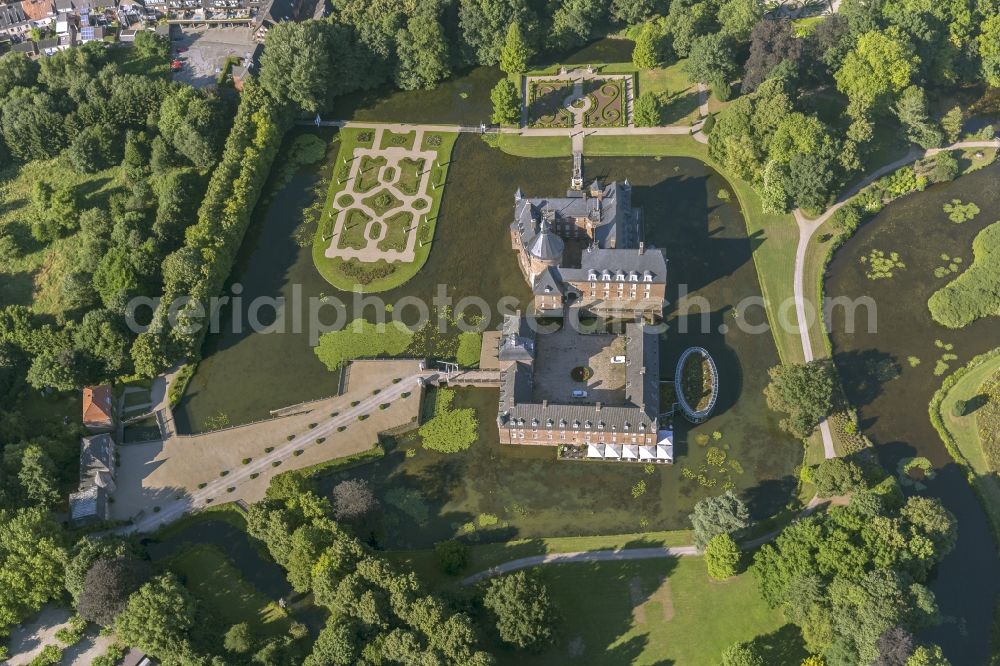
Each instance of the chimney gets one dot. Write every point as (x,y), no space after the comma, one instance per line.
(642,248)
(545,404)
(597,407)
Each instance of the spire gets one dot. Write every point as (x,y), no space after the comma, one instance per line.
(518,195)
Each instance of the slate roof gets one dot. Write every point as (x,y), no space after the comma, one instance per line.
(11,15)
(627,262)
(547,245)
(97,462)
(638,415)
(26,46)
(517,340)
(90,503)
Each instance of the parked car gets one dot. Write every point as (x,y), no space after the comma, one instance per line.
(579,394)
(617,359)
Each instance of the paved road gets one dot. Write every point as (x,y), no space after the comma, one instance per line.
(529,131)
(216,490)
(808,227)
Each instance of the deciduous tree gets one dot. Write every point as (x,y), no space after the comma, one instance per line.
(804,392)
(520,604)
(722,557)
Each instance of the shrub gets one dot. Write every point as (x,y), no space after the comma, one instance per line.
(341,428)
(362,417)
(254,475)
(320,440)
(230,489)
(452,556)
(290,437)
(268,449)
(297,452)
(202,485)
(224,472)
(49,656)
(709,124)
(449,430)
(384,405)
(246,461)
(722,557)
(275,463)
(647,110)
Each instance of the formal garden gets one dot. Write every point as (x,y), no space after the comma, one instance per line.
(607,103)
(547,104)
(378,222)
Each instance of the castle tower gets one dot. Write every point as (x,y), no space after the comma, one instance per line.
(546,250)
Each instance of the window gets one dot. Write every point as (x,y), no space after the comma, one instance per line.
(648,277)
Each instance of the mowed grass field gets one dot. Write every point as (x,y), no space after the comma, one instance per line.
(217,584)
(663,611)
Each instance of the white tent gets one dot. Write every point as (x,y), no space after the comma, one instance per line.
(613,451)
(664,453)
(595,450)
(647,453)
(630,452)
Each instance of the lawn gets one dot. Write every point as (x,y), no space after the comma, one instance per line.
(396,235)
(378,276)
(484,556)
(964,435)
(354,232)
(676,91)
(775,256)
(535,146)
(409,177)
(218,585)
(545,104)
(368,173)
(398,139)
(662,611)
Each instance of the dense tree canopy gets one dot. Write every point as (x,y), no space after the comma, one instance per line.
(520,604)
(804,392)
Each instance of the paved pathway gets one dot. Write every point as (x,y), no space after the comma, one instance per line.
(393,155)
(808,227)
(262,466)
(626,554)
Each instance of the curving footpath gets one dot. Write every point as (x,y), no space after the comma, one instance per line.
(808,227)
(630,553)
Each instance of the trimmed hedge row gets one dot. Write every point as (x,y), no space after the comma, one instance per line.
(214,240)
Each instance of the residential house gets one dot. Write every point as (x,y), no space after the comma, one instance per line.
(27,47)
(40,13)
(98,405)
(48,46)
(13,21)
(98,455)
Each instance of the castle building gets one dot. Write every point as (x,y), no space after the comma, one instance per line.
(617,417)
(585,251)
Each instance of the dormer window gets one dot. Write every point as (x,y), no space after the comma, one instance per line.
(592,276)
(576,425)
(534,423)
(647,277)
(562,423)
(549,423)
(606,276)
(600,425)
(589,425)
(626,425)
(621,276)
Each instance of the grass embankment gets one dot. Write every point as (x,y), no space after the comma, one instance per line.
(220,587)
(775,236)
(665,611)
(960,434)
(535,146)
(352,275)
(484,556)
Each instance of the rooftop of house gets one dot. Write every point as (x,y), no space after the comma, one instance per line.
(36,10)
(11,15)
(98,401)
(97,461)
(87,503)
